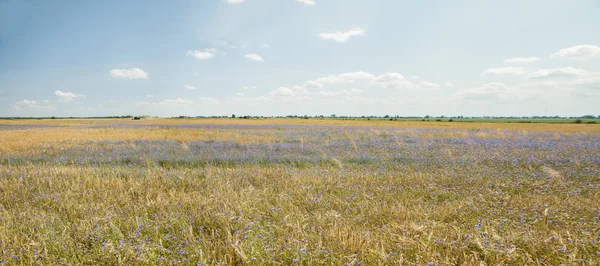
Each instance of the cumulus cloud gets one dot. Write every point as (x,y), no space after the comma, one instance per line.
(390,80)
(189,87)
(307,2)
(499,92)
(448,84)
(521,60)
(286,92)
(350,92)
(488,91)
(427,85)
(26,102)
(580,52)
(202,54)
(340,36)
(32,105)
(149,96)
(565,72)
(343,87)
(588,83)
(350,77)
(67,96)
(131,73)
(226,44)
(393,80)
(504,71)
(353,91)
(249,87)
(254,57)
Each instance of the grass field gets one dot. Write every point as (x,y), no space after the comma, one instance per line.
(303,192)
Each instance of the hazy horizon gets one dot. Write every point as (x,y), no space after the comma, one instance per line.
(299,57)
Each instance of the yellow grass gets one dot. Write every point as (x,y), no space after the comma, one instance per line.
(75,129)
(587,128)
(281,215)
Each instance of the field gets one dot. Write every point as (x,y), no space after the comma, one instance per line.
(303,192)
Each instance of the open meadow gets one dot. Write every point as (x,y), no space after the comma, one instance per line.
(298,192)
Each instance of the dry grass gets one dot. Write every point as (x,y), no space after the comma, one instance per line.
(573,128)
(343,213)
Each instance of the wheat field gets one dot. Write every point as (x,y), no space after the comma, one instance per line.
(298,192)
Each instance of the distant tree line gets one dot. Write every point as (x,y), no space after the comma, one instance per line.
(333,116)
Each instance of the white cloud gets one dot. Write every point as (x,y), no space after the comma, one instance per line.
(189,87)
(264,45)
(67,96)
(342,87)
(504,71)
(307,2)
(488,91)
(226,44)
(249,87)
(589,83)
(33,105)
(520,60)
(350,92)
(208,100)
(254,57)
(393,80)
(132,73)
(26,102)
(177,101)
(388,80)
(235,1)
(286,92)
(580,52)
(449,84)
(500,93)
(565,72)
(428,85)
(342,36)
(149,96)
(326,93)
(202,55)
(349,77)
(139,104)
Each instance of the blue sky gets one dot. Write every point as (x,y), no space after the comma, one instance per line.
(280,57)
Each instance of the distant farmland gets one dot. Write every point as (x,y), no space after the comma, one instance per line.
(292,191)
